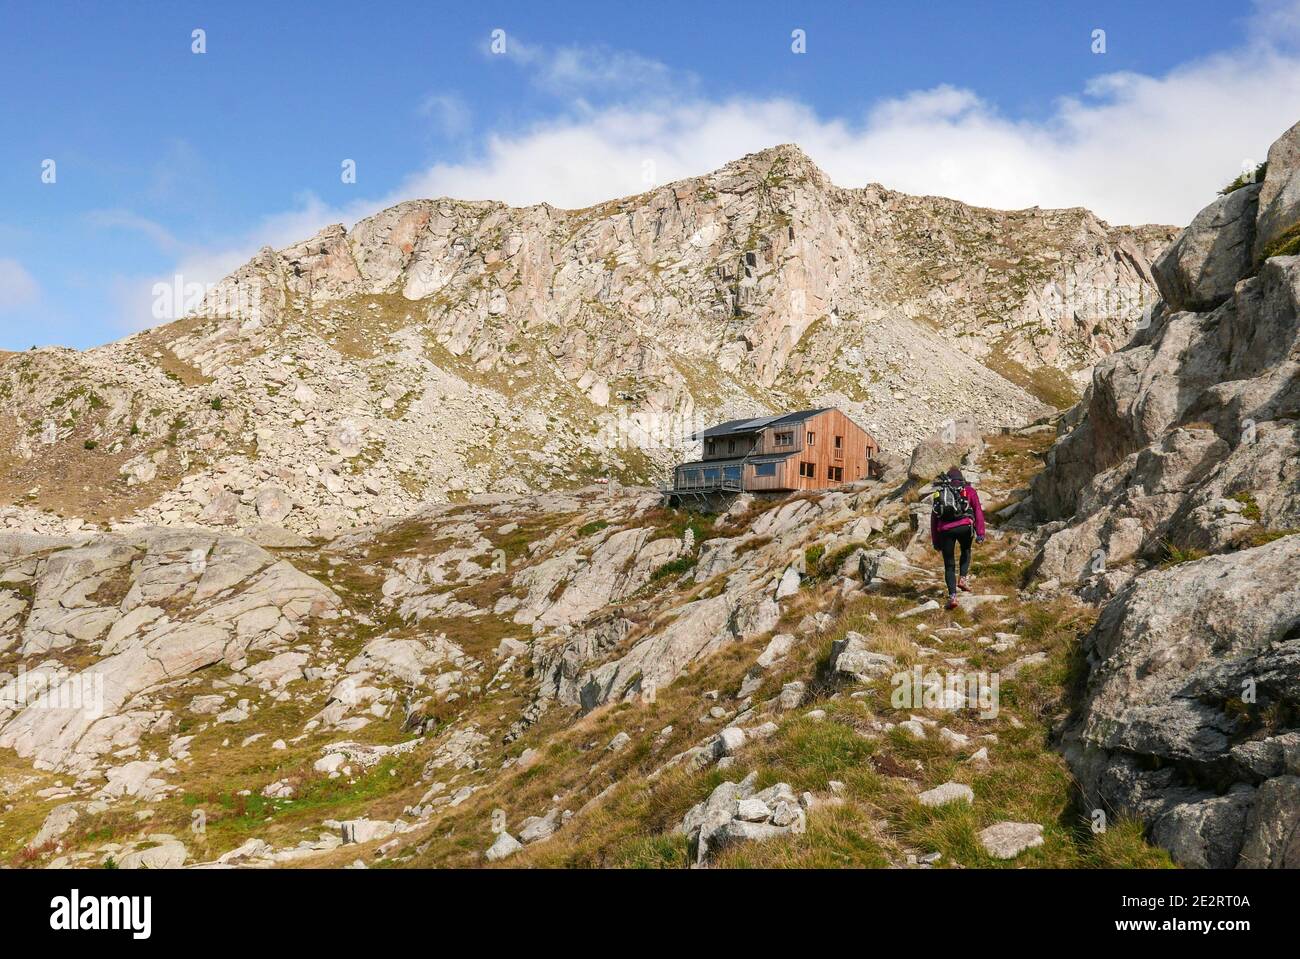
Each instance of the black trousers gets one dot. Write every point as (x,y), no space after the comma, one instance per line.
(948,541)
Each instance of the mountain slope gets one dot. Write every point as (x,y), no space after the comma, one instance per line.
(427,689)
(444,348)
(1172,497)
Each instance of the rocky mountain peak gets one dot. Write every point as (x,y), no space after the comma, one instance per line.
(572,344)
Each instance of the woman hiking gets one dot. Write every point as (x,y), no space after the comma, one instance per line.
(954,518)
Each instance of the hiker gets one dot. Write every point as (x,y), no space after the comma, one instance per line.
(955,516)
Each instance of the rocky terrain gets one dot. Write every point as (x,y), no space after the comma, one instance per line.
(442,349)
(252,674)
(1173,497)
(580,677)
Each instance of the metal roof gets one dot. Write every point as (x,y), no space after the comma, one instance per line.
(754,425)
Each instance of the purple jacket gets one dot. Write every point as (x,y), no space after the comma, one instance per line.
(937,527)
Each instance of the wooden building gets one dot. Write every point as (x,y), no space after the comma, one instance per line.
(810,449)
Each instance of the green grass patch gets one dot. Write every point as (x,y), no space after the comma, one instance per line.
(1288,244)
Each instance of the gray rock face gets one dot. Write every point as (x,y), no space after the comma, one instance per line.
(504,847)
(700,629)
(273,504)
(170,854)
(59,821)
(852,659)
(947,793)
(1200,268)
(1198,412)
(227,596)
(884,565)
(1273,830)
(1187,441)
(957,442)
(1006,840)
(1279,197)
(1184,663)
(735,813)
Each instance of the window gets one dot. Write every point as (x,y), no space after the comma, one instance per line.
(764,469)
(784,439)
(808,469)
(812,439)
(731,473)
(712,476)
(731,446)
(835,473)
(839,442)
(708,448)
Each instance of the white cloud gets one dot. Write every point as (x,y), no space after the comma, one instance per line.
(127,220)
(18,288)
(1133,148)
(595,71)
(449,113)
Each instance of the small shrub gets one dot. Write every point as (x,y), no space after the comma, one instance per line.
(595,526)
(1174,555)
(673,568)
(1250,508)
(1258,535)
(90,444)
(216,403)
(1245,179)
(1288,244)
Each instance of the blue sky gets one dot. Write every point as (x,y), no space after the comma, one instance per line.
(169,161)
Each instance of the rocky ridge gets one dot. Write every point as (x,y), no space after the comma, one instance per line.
(441,349)
(1173,498)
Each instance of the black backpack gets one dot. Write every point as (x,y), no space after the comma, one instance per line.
(949,502)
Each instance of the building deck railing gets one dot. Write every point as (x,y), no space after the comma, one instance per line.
(724,485)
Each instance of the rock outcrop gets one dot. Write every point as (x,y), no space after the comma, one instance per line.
(1279,197)
(1173,498)
(157,605)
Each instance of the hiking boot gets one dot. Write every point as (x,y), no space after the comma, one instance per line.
(952,602)
(963,585)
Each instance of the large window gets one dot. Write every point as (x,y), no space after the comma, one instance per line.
(764,469)
(784,439)
(835,473)
(808,469)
